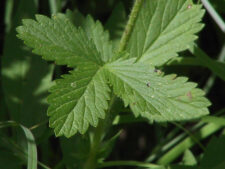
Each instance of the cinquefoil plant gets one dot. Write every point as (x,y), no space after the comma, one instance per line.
(156,31)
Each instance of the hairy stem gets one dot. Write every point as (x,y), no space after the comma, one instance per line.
(130,24)
(91,162)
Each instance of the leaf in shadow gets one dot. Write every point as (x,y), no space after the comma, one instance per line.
(25,77)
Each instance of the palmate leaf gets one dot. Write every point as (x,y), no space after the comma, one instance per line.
(81,98)
(163,28)
(156,97)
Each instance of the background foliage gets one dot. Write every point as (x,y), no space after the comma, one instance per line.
(26,78)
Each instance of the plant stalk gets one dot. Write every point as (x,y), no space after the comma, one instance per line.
(91,162)
(216,17)
(210,82)
(174,153)
(129,163)
(130,24)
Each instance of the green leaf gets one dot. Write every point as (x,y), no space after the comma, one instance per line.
(214,154)
(25,77)
(182,167)
(81,97)
(163,28)
(75,150)
(77,100)
(58,40)
(214,119)
(205,132)
(7,158)
(153,96)
(217,67)
(75,17)
(189,158)
(107,146)
(96,32)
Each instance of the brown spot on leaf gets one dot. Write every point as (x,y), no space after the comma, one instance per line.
(189,6)
(159,72)
(174,77)
(189,95)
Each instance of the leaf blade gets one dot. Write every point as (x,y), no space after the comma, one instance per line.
(56,39)
(95,31)
(164,28)
(158,98)
(78,101)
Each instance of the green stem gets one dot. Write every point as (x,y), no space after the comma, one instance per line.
(54,6)
(8,14)
(168,143)
(175,142)
(219,21)
(205,132)
(216,67)
(38,125)
(130,24)
(91,162)
(190,135)
(129,163)
(43,165)
(209,84)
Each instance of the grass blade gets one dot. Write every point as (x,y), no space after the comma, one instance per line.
(31,146)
